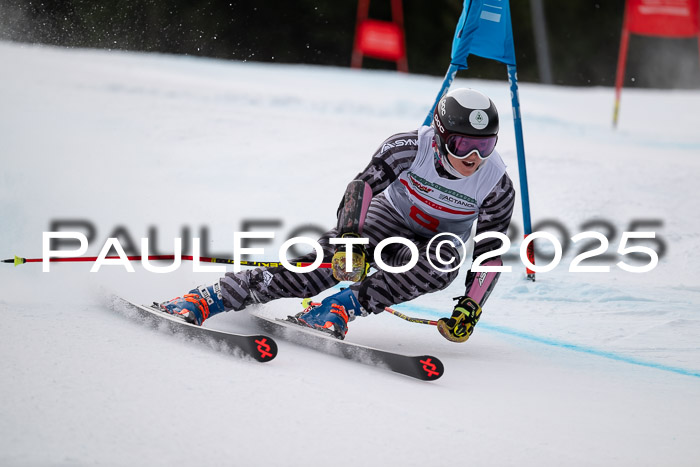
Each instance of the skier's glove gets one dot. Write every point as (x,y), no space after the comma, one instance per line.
(460,326)
(360,266)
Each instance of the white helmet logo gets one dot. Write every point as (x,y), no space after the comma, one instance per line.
(479,119)
(442,107)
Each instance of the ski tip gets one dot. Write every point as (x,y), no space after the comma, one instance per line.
(266,349)
(431,368)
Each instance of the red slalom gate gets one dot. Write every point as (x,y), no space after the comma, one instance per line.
(384,40)
(659,18)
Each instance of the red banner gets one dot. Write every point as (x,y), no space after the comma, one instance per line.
(384,40)
(380,39)
(665,18)
(661,18)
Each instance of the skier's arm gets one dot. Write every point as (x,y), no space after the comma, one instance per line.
(391,158)
(494,216)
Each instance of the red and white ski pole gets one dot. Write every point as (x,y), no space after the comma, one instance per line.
(203,259)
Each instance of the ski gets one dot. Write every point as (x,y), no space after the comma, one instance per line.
(261,348)
(424,367)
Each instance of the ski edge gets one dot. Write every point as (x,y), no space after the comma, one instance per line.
(259,347)
(421,367)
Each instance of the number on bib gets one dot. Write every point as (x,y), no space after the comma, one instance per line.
(423,219)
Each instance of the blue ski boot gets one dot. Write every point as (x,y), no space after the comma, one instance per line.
(196,306)
(332,314)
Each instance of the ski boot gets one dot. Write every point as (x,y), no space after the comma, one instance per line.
(331,315)
(196,306)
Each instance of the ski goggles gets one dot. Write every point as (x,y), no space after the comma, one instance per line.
(461,146)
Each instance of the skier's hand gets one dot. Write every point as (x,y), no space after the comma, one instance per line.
(360,266)
(460,326)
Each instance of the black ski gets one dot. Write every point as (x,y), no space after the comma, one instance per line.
(425,367)
(261,348)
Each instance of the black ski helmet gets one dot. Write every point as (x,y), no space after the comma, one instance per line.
(464,111)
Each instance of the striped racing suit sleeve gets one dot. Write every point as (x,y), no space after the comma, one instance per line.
(494,216)
(393,156)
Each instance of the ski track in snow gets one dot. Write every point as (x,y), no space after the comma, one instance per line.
(574,369)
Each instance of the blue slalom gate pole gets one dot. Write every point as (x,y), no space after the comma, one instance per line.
(484,29)
(446,83)
(522,169)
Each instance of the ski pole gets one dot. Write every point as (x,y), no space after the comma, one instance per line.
(307,303)
(203,259)
(409,318)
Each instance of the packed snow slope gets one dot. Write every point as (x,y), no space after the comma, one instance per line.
(574,369)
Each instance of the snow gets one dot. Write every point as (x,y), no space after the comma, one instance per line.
(574,369)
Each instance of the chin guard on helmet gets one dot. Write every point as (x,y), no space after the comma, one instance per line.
(359,267)
(351,218)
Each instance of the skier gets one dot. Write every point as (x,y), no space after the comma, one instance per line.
(437,179)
